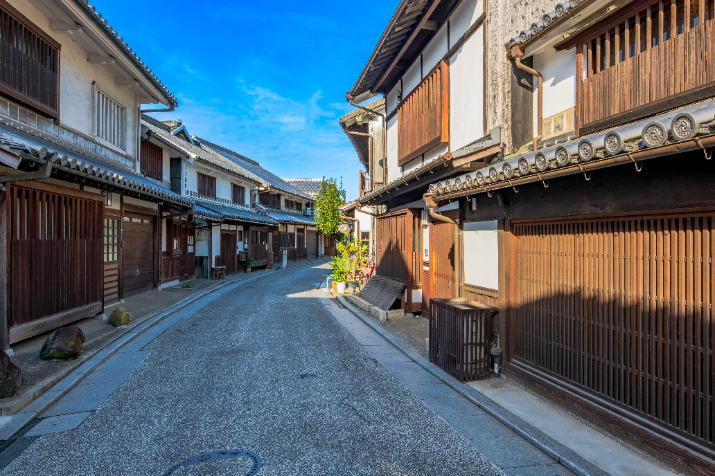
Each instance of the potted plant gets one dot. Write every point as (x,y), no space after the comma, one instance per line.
(338,265)
(353,255)
(249,264)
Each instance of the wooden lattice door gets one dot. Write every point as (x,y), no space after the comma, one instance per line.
(623,307)
(442,260)
(55,260)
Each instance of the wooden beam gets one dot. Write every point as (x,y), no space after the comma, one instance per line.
(4,273)
(407,44)
(100,59)
(430,25)
(127,83)
(68,28)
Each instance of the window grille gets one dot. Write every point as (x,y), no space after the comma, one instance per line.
(111,240)
(238,194)
(30,63)
(110,120)
(207,185)
(152,160)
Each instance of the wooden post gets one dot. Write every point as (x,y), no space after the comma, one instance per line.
(4,272)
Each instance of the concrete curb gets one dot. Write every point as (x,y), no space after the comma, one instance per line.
(61,384)
(545,443)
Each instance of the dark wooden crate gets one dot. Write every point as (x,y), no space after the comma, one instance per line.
(460,336)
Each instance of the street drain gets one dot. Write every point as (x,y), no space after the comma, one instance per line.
(338,303)
(306,376)
(216,456)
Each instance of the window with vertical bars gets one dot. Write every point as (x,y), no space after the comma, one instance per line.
(111,240)
(207,185)
(152,160)
(110,120)
(30,63)
(238,194)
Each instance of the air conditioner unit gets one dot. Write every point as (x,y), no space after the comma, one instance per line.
(307,211)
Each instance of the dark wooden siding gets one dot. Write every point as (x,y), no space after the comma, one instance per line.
(238,194)
(423,116)
(152,160)
(522,105)
(395,252)
(137,254)
(207,185)
(55,262)
(229,251)
(623,307)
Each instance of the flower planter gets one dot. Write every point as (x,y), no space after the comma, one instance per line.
(341,288)
(335,286)
(352,285)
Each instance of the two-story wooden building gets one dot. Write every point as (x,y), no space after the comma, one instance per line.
(429,65)
(605,219)
(80,225)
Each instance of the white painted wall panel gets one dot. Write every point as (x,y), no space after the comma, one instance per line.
(393,170)
(391,98)
(466,97)
(463,18)
(557,68)
(435,51)
(436,152)
(411,79)
(481,254)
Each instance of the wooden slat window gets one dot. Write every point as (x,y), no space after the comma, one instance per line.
(111,240)
(287,240)
(152,160)
(624,307)
(29,63)
(293,205)
(276,201)
(238,194)
(207,185)
(423,116)
(110,120)
(673,38)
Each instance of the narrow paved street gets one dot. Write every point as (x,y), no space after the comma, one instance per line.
(259,366)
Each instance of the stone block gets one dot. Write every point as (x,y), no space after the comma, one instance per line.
(120,317)
(359,302)
(396,315)
(10,376)
(378,313)
(64,343)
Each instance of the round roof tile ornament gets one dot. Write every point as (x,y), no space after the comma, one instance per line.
(524,167)
(480,179)
(507,170)
(540,162)
(493,175)
(654,134)
(586,151)
(684,126)
(562,156)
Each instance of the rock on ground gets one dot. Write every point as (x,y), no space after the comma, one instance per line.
(63,344)
(119,317)
(10,376)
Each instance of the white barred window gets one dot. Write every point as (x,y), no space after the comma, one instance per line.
(110,120)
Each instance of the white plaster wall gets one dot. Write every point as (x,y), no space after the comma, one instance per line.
(191,180)
(223,187)
(393,170)
(202,247)
(163,235)
(239,241)
(166,164)
(481,254)
(391,99)
(413,165)
(215,242)
(411,79)
(463,18)
(435,51)
(559,85)
(436,152)
(364,220)
(140,203)
(466,98)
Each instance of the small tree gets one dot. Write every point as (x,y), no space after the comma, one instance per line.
(330,198)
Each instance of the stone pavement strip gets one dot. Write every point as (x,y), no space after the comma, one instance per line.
(262,367)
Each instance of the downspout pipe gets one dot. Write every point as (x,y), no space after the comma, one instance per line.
(515,54)
(350,98)
(431,205)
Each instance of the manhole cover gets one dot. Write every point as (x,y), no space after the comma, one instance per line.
(306,376)
(218,455)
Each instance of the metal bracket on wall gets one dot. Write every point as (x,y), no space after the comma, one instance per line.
(43,172)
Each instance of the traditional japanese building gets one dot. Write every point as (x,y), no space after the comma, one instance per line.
(604,218)
(80,221)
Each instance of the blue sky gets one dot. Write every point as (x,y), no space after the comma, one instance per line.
(266,79)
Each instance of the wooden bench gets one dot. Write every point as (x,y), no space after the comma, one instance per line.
(218,272)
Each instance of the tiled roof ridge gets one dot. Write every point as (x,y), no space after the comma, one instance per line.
(155,122)
(92,11)
(228,151)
